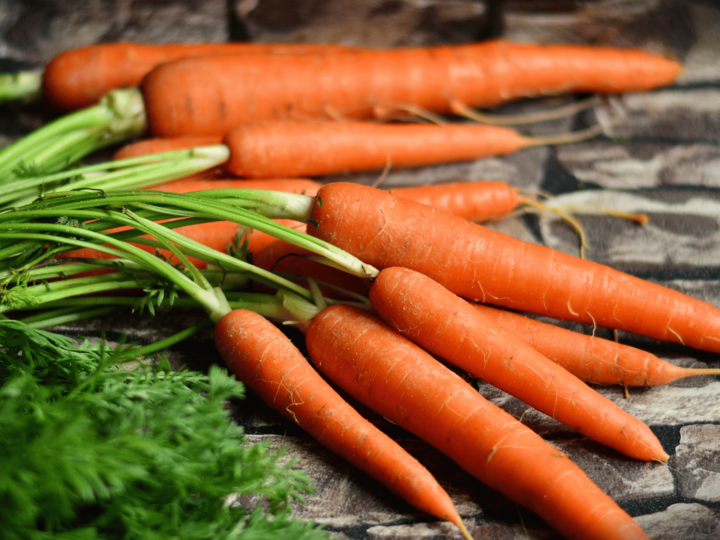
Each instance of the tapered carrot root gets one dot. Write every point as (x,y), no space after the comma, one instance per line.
(409,387)
(483,265)
(474,201)
(447,326)
(181,95)
(592,359)
(80,77)
(281,149)
(266,361)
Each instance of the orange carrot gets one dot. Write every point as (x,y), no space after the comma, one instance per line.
(155,146)
(182,97)
(406,385)
(483,265)
(591,359)
(474,201)
(447,326)
(80,77)
(264,359)
(281,256)
(287,148)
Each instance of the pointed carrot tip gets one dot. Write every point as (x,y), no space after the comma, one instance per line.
(460,525)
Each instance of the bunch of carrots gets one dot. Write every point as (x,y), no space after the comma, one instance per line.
(411,275)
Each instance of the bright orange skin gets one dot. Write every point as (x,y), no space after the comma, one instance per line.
(447,326)
(405,384)
(215,94)
(265,360)
(483,265)
(288,148)
(591,359)
(474,201)
(80,77)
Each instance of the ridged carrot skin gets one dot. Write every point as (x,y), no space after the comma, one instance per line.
(264,359)
(80,77)
(591,359)
(449,327)
(482,265)
(405,384)
(474,201)
(182,97)
(288,148)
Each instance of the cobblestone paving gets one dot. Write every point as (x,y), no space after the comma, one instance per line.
(659,156)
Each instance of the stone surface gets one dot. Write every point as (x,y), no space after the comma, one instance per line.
(663,160)
(696,463)
(375,23)
(36,30)
(690,521)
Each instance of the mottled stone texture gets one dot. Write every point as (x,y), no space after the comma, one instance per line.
(659,157)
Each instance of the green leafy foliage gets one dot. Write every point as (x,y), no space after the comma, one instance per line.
(92,450)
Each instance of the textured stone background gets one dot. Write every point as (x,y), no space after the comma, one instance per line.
(661,158)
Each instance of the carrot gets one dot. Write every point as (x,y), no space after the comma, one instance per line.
(447,326)
(591,359)
(281,256)
(287,148)
(182,96)
(155,146)
(80,77)
(264,359)
(480,264)
(406,385)
(474,201)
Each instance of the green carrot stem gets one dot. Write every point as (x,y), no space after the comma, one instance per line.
(65,316)
(21,85)
(119,114)
(146,350)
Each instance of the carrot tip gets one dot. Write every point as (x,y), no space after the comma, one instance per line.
(460,525)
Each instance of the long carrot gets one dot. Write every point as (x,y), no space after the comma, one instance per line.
(406,385)
(591,359)
(265,360)
(474,201)
(447,326)
(480,264)
(182,96)
(79,77)
(286,148)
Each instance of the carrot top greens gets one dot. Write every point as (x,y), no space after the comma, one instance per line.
(90,450)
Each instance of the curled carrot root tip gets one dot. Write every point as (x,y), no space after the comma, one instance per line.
(574,223)
(463,110)
(640,219)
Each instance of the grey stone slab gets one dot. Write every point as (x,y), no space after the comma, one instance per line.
(37,30)
(690,114)
(345,497)
(366,23)
(700,63)
(688,521)
(655,25)
(696,462)
(618,166)
(623,479)
(683,228)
